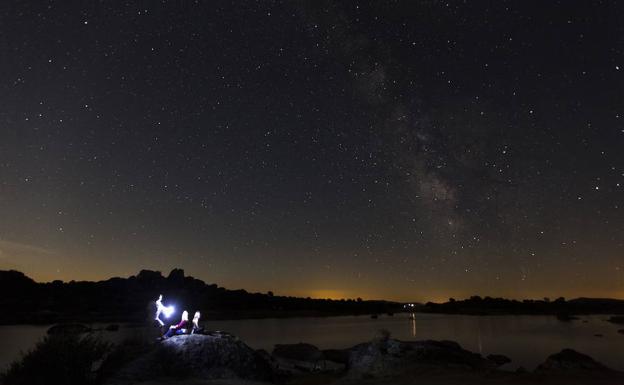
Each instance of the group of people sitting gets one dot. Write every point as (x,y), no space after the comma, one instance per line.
(182,327)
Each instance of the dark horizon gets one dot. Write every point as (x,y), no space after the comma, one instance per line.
(412,300)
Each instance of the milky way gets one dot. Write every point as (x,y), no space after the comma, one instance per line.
(400,150)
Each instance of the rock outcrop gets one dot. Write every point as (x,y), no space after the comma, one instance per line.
(570,360)
(300,351)
(223,356)
(383,357)
(132,299)
(204,357)
(176,275)
(299,358)
(337,355)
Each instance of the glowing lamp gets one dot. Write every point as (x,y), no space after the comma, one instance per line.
(168,310)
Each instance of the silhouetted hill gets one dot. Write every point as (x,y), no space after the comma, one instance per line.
(482,306)
(132,299)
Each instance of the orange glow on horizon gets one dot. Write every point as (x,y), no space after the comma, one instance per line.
(329,294)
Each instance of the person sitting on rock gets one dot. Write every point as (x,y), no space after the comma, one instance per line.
(196,329)
(180,328)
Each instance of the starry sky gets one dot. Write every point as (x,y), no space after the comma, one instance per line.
(413,150)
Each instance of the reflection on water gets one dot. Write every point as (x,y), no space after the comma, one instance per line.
(527,340)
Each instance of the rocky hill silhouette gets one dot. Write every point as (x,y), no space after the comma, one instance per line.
(130,300)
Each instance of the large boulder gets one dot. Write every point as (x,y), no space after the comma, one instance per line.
(149,276)
(15,280)
(448,354)
(375,358)
(337,355)
(300,351)
(197,356)
(176,275)
(299,358)
(388,356)
(570,360)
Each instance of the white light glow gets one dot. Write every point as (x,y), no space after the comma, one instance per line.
(168,311)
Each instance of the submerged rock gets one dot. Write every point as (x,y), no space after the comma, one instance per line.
(197,356)
(570,360)
(621,331)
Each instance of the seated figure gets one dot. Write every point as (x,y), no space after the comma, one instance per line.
(180,328)
(196,329)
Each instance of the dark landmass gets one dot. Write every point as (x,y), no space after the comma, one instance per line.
(220,358)
(564,310)
(132,300)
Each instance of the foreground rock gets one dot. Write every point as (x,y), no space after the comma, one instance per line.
(300,351)
(381,357)
(571,360)
(222,357)
(390,356)
(337,355)
(204,357)
(301,358)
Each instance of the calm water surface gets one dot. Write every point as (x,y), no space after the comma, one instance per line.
(527,340)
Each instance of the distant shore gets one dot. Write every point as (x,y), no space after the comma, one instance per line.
(132,300)
(560,307)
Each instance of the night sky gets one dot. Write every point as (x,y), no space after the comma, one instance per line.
(413,150)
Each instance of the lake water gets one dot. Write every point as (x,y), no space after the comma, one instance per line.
(527,340)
